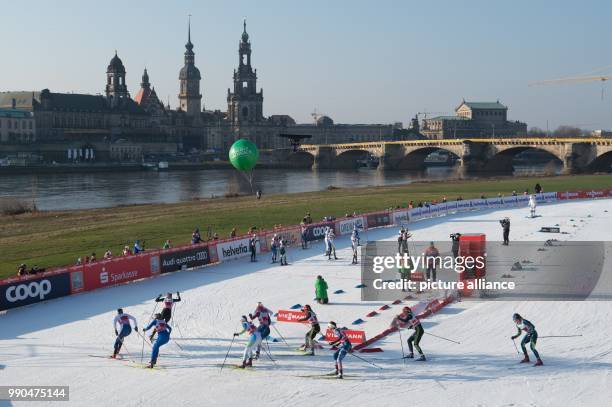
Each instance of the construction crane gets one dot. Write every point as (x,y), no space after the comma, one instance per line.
(575,79)
(315,115)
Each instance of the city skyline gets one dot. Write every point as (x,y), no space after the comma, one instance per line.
(357,69)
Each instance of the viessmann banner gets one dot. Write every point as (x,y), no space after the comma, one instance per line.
(25,292)
(188,257)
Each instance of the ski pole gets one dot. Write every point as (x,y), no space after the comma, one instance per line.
(399,330)
(227,354)
(441,337)
(515,347)
(367,361)
(281,336)
(268,351)
(559,336)
(143,339)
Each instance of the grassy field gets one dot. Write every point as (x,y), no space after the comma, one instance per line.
(57,238)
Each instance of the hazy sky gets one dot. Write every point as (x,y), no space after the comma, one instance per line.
(357,61)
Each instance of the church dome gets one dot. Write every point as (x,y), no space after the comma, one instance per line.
(325,121)
(115,65)
(189,72)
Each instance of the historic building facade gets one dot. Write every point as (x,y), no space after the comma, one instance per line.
(474,120)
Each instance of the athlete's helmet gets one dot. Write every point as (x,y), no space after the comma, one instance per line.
(331,325)
(243,319)
(168,295)
(306,307)
(516,317)
(407,309)
(119,310)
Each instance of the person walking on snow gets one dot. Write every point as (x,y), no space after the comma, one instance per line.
(253,343)
(355,235)
(311,318)
(531,337)
(163,330)
(354,245)
(326,241)
(344,346)
(321,290)
(168,301)
(532,205)
(283,253)
(274,247)
(431,256)
(330,244)
(125,329)
(264,316)
(407,320)
(253,247)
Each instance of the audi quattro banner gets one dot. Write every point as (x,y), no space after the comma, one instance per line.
(31,291)
(346,226)
(317,231)
(186,257)
(353,336)
(119,270)
(234,249)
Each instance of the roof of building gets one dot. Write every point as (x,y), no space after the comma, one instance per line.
(75,102)
(15,113)
(23,99)
(115,65)
(483,105)
(448,118)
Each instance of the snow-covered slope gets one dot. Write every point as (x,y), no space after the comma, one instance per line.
(50,343)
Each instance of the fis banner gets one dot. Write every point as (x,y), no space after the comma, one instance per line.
(290,316)
(106,273)
(346,226)
(186,257)
(234,249)
(317,231)
(353,336)
(32,290)
(378,219)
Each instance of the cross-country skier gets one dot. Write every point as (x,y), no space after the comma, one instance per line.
(344,346)
(311,318)
(163,330)
(531,337)
(283,253)
(168,301)
(264,316)
(125,328)
(355,235)
(354,244)
(407,320)
(326,240)
(253,247)
(532,205)
(331,247)
(254,341)
(274,247)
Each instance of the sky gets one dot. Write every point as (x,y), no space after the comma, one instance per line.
(356,61)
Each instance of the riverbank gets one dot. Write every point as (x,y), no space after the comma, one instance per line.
(56,238)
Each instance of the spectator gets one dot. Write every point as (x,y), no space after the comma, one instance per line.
(513,193)
(167,244)
(321,290)
(444,199)
(460,198)
(137,247)
(482,196)
(308,218)
(108,254)
(233,233)
(538,188)
(526,191)
(431,256)
(79,261)
(22,270)
(258,194)
(126,251)
(215,236)
(86,259)
(253,247)
(35,270)
(303,230)
(195,237)
(499,195)
(92,259)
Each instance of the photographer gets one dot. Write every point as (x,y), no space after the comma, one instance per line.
(505,223)
(455,248)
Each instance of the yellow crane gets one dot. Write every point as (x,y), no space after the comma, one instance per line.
(576,79)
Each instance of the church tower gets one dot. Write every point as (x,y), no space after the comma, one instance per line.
(116,89)
(190,98)
(245,104)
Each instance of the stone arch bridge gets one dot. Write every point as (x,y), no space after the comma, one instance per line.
(476,155)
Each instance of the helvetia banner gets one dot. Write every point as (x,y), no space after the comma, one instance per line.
(34,290)
(234,249)
(346,226)
(188,257)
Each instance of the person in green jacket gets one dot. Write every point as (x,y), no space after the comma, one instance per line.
(321,290)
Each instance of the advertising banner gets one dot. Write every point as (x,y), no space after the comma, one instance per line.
(478,204)
(106,273)
(597,193)
(375,220)
(414,214)
(234,249)
(317,231)
(33,290)
(290,316)
(464,205)
(451,207)
(185,257)
(291,235)
(568,195)
(546,197)
(346,226)
(353,336)
(401,217)
(494,202)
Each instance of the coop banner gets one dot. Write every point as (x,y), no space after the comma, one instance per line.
(346,226)
(32,290)
(317,231)
(186,257)
(353,336)
(290,316)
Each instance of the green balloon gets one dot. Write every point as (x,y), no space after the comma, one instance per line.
(243,155)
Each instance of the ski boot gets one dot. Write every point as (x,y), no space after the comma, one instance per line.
(151,365)
(421,358)
(257,355)
(243,365)
(339,375)
(538,362)
(525,359)
(114,355)
(410,356)
(249,363)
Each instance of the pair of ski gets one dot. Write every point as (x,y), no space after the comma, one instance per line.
(130,363)
(329,376)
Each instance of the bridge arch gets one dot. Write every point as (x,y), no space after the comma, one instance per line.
(504,160)
(415,158)
(300,159)
(349,159)
(601,163)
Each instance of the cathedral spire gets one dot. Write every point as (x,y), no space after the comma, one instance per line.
(189,80)
(189,45)
(245,35)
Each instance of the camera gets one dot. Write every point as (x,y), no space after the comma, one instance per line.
(455,236)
